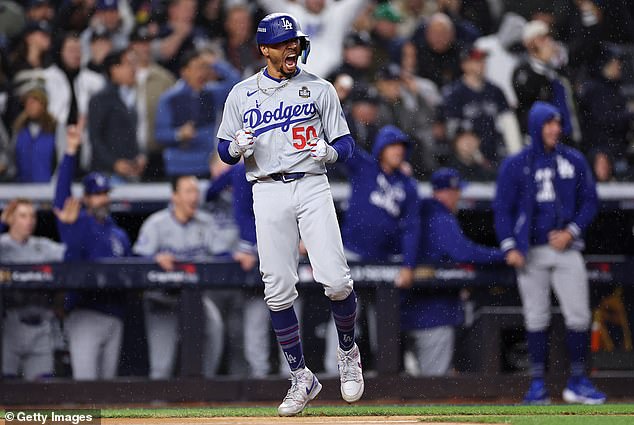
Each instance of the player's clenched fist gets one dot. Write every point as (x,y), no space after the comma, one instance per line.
(242,142)
(322,151)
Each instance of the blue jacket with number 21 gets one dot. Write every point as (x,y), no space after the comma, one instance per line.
(539,191)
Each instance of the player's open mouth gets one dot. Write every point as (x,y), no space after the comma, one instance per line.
(291,61)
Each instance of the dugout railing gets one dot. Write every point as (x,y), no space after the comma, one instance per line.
(486,379)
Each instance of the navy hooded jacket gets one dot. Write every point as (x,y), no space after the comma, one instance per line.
(539,191)
(382,218)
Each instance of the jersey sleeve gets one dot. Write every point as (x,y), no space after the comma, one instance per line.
(147,244)
(231,117)
(333,120)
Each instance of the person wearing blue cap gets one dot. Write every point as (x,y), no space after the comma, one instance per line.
(428,320)
(94,324)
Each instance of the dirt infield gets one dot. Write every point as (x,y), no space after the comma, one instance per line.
(326,420)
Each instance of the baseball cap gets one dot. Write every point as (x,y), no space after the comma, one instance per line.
(37,3)
(386,12)
(533,29)
(107,5)
(357,39)
(446,178)
(141,33)
(35,26)
(474,53)
(390,72)
(96,183)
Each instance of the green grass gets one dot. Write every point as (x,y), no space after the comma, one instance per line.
(612,414)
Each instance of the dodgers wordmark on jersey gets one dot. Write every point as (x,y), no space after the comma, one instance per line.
(284,116)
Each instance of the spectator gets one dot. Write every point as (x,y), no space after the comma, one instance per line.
(112,17)
(112,122)
(433,52)
(387,44)
(152,80)
(74,16)
(429,320)
(503,54)
(363,116)
(410,102)
(474,103)
(186,115)
(178,35)
(545,199)
(540,77)
(40,10)
(11,22)
(358,59)
(34,144)
(468,160)
(94,324)
(602,166)
(239,45)
(27,338)
(603,107)
(471,18)
(70,87)
(326,27)
(32,51)
(100,46)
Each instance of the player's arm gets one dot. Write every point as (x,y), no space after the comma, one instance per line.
(588,202)
(505,205)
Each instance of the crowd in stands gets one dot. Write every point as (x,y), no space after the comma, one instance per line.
(457,76)
(134,90)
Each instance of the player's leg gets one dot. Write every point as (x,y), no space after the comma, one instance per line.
(534,287)
(38,358)
(83,344)
(257,346)
(278,249)
(161,329)
(433,348)
(570,283)
(112,339)
(12,331)
(320,233)
(214,337)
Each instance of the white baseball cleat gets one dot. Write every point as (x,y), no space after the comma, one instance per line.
(304,388)
(350,373)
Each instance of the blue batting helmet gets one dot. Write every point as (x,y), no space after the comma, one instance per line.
(278,27)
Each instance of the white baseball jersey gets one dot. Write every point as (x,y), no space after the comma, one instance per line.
(196,240)
(34,250)
(284,116)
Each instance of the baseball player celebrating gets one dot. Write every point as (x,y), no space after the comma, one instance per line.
(545,199)
(288,124)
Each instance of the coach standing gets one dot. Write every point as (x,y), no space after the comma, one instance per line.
(545,199)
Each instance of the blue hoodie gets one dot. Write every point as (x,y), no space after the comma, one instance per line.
(382,218)
(539,191)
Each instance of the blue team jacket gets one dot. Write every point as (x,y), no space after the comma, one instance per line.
(242,203)
(89,240)
(441,242)
(382,218)
(34,157)
(539,191)
(181,104)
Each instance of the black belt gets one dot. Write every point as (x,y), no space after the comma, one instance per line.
(286,177)
(32,320)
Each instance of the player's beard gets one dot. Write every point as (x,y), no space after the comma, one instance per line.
(100,213)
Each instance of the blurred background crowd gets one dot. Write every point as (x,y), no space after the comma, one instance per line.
(457,76)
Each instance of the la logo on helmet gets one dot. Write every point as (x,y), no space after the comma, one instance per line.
(288,25)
